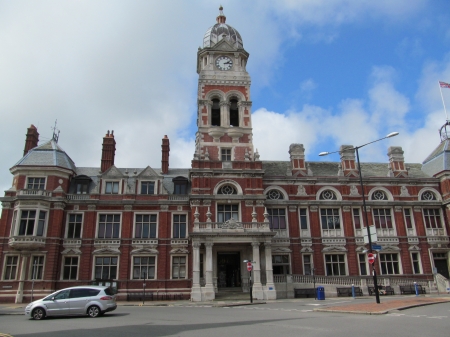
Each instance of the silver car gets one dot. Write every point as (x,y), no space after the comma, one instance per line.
(83,300)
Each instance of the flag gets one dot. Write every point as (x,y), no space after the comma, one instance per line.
(444,85)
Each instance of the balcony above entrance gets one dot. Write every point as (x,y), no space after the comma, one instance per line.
(231,226)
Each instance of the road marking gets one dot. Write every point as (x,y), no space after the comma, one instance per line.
(438,317)
(312,304)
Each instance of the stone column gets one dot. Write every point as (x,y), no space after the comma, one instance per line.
(196,295)
(257,286)
(23,269)
(224,114)
(209,293)
(270,291)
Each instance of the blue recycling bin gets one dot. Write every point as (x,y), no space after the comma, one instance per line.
(321,293)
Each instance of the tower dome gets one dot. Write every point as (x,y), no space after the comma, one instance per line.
(221,31)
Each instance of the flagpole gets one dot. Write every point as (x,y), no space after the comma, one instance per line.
(443,103)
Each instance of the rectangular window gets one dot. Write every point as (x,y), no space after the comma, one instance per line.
(335,264)
(13,224)
(303,219)
(28,221)
(147,187)
(356,218)
(307,264)
(362,264)
(112,187)
(106,267)
(74,226)
(37,267)
(280,264)
(82,188)
(226,212)
(408,218)
(143,267)
(330,218)
(11,268)
(432,217)
(226,154)
(415,263)
(277,218)
(108,226)
(145,226)
(179,226)
(382,217)
(178,267)
(389,264)
(36,183)
(180,188)
(70,268)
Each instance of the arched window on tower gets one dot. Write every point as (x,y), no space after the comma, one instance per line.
(234,112)
(215,112)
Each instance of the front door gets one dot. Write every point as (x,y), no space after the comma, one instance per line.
(229,270)
(441,266)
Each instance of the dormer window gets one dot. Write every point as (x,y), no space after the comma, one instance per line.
(112,187)
(147,187)
(36,183)
(180,185)
(81,184)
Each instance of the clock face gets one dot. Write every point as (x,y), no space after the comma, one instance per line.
(224,63)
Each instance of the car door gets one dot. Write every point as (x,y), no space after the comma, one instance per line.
(58,305)
(78,300)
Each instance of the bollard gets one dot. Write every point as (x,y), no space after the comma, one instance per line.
(416,288)
(353,290)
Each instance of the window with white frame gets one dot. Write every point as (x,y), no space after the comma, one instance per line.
(74,224)
(277,219)
(108,226)
(70,268)
(303,219)
(111,187)
(428,196)
(227,190)
(274,195)
(432,218)
(37,267)
(225,154)
(280,264)
(409,224)
(379,195)
(356,218)
(330,221)
(362,264)
(10,270)
(178,267)
(32,222)
(389,264)
(106,267)
(179,226)
(36,183)
(145,226)
(147,187)
(144,267)
(415,259)
(328,195)
(226,212)
(307,264)
(13,224)
(382,218)
(335,264)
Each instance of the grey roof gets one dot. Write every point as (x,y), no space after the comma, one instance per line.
(47,154)
(221,31)
(441,148)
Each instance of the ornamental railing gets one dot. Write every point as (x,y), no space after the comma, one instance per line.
(35,192)
(231,226)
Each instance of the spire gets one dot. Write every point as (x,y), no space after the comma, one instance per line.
(221,18)
(55,136)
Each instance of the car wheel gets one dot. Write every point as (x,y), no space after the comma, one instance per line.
(93,311)
(38,314)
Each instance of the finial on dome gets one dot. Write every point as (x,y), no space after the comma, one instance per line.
(221,18)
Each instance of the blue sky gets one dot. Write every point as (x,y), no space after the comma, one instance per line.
(324,73)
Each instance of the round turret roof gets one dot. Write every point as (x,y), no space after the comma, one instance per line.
(221,31)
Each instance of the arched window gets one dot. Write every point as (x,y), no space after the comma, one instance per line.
(215,112)
(274,195)
(180,185)
(328,195)
(379,195)
(428,196)
(227,189)
(234,112)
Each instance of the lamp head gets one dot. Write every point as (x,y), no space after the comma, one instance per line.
(392,134)
(323,153)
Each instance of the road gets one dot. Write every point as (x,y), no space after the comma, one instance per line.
(273,319)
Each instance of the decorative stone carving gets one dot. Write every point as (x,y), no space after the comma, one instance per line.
(354,191)
(292,208)
(249,203)
(313,208)
(398,208)
(404,191)
(127,208)
(417,209)
(6,205)
(231,224)
(195,202)
(92,207)
(164,207)
(208,215)
(346,208)
(76,208)
(301,191)
(259,203)
(207,203)
(59,205)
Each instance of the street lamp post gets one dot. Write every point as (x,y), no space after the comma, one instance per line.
(374,273)
(143,286)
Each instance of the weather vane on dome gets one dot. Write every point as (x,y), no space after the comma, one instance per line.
(55,136)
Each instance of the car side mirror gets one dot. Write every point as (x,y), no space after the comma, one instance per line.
(53,298)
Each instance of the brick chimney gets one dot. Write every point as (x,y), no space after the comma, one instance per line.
(348,162)
(108,151)
(297,155)
(165,149)
(31,140)
(397,162)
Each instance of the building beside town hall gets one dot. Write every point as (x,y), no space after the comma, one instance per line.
(187,231)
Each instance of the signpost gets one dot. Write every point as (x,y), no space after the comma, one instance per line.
(370,258)
(376,247)
(249,268)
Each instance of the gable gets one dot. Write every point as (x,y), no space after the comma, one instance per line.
(112,172)
(148,172)
(224,45)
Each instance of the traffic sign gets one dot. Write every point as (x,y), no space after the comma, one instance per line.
(249,266)
(376,247)
(370,258)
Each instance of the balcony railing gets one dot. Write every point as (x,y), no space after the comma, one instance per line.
(231,226)
(78,196)
(26,242)
(35,192)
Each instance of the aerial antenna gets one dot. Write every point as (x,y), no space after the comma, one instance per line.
(55,136)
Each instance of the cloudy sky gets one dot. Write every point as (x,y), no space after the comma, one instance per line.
(324,73)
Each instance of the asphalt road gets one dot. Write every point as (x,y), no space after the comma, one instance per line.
(273,319)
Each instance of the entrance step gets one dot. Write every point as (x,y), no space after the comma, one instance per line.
(235,293)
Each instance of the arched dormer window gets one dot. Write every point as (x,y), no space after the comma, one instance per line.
(180,185)
(227,189)
(215,112)
(379,195)
(81,184)
(428,196)
(274,195)
(327,195)
(234,112)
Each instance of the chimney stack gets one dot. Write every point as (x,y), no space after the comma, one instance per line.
(108,151)
(297,155)
(165,149)
(31,140)
(348,162)
(397,162)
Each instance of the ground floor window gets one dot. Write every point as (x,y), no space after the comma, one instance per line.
(335,264)
(280,264)
(70,268)
(307,264)
(178,267)
(106,267)
(11,268)
(415,258)
(144,267)
(362,264)
(37,268)
(389,264)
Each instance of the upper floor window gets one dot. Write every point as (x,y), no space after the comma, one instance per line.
(180,185)
(215,112)
(227,189)
(147,187)
(356,218)
(74,226)
(32,222)
(226,212)
(432,217)
(277,218)
(328,195)
(112,187)
(428,196)
(36,183)
(382,217)
(179,226)
(330,218)
(303,219)
(225,154)
(145,226)
(408,218)
(379,195)
(234,113)
(274,195)
(108,226)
